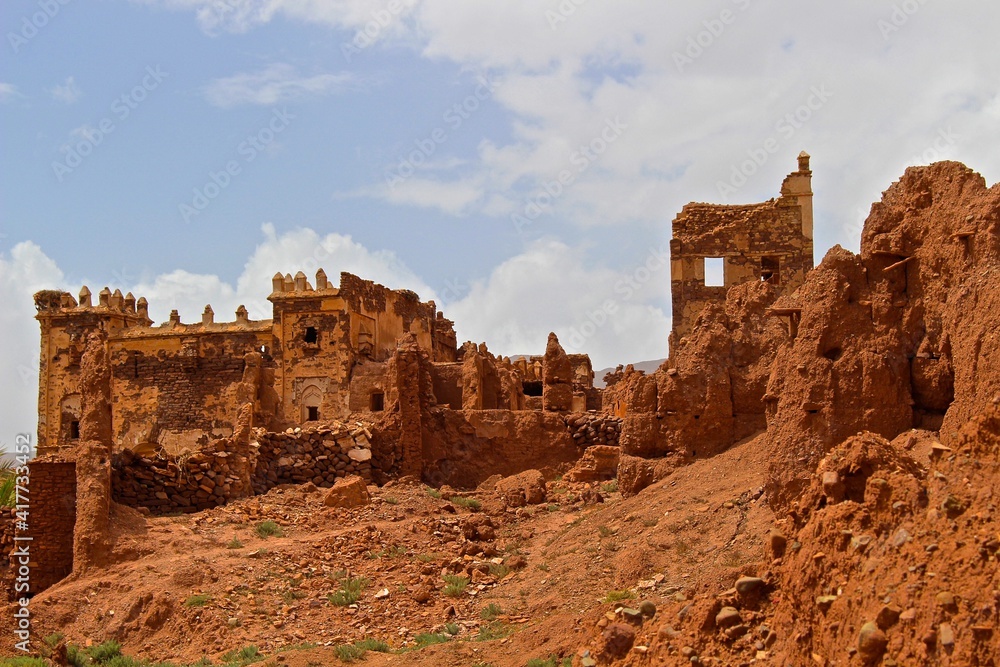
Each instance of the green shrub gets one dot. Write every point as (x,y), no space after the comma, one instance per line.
(615,596)
(610,487)
(267,529)
(433,493)
(455,585)
(105,652)
(452,629)
(198,600)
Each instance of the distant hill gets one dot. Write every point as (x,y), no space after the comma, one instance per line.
(648,366)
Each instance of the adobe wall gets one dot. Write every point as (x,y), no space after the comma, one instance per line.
(51,522)
(176,388)
(462,448)
(769,242)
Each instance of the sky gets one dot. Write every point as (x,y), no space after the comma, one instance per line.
(517,161)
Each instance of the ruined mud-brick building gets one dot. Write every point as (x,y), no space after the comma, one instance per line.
(770,242)
(328,354)
(174,386)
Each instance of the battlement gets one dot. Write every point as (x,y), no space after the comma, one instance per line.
(126,309)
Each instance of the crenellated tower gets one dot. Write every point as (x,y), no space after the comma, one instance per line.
(65,324)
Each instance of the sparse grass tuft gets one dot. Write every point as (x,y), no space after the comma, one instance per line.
(467,503)
(433,493)
(491,611)
(198,600)
(455,585)
(234,543)
(429,638)
(357,650)
(349,592)
(604,531)
(241,657)
(105,652)
(551,661)
(391,500)
(452,629)
(544,567)
(615,596)
(267,529)
(493,630)
(499,571)
(610,487)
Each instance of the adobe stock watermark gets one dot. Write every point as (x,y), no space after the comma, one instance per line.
(454,290)
(625,289)
(453,117)
(32,23)
(901,14)
(248,150)
(370,32)
(580,161)
(20,557)
(712,29)
(785,128)
(121,108)
(564,10)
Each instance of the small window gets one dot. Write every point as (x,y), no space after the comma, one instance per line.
(312,336)
(377,401)
(715,272)
(74,430)
(312,413)
(769,270)
(532,388)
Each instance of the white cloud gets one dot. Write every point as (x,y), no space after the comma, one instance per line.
(68,92)
(275,84)
(8,91)
(612,315)
(23,271)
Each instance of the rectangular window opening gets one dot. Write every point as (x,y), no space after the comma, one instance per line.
(377,403)
(312,413)
(74,430)
(715,272)
(312,335)
(769,270)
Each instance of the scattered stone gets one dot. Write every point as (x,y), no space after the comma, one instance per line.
(750,587)
(887,616)
(946,636)
(348,492)
(871,642)
(727,617)
(648,608)
(778,544)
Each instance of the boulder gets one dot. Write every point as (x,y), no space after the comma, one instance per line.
(348,492)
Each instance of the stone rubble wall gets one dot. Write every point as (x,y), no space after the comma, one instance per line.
(320,456)
(590,429)
(211,477)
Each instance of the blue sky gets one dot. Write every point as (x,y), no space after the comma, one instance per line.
(426,153)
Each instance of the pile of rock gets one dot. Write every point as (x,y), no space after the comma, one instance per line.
(590,428)
(319,455)
(167,484)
